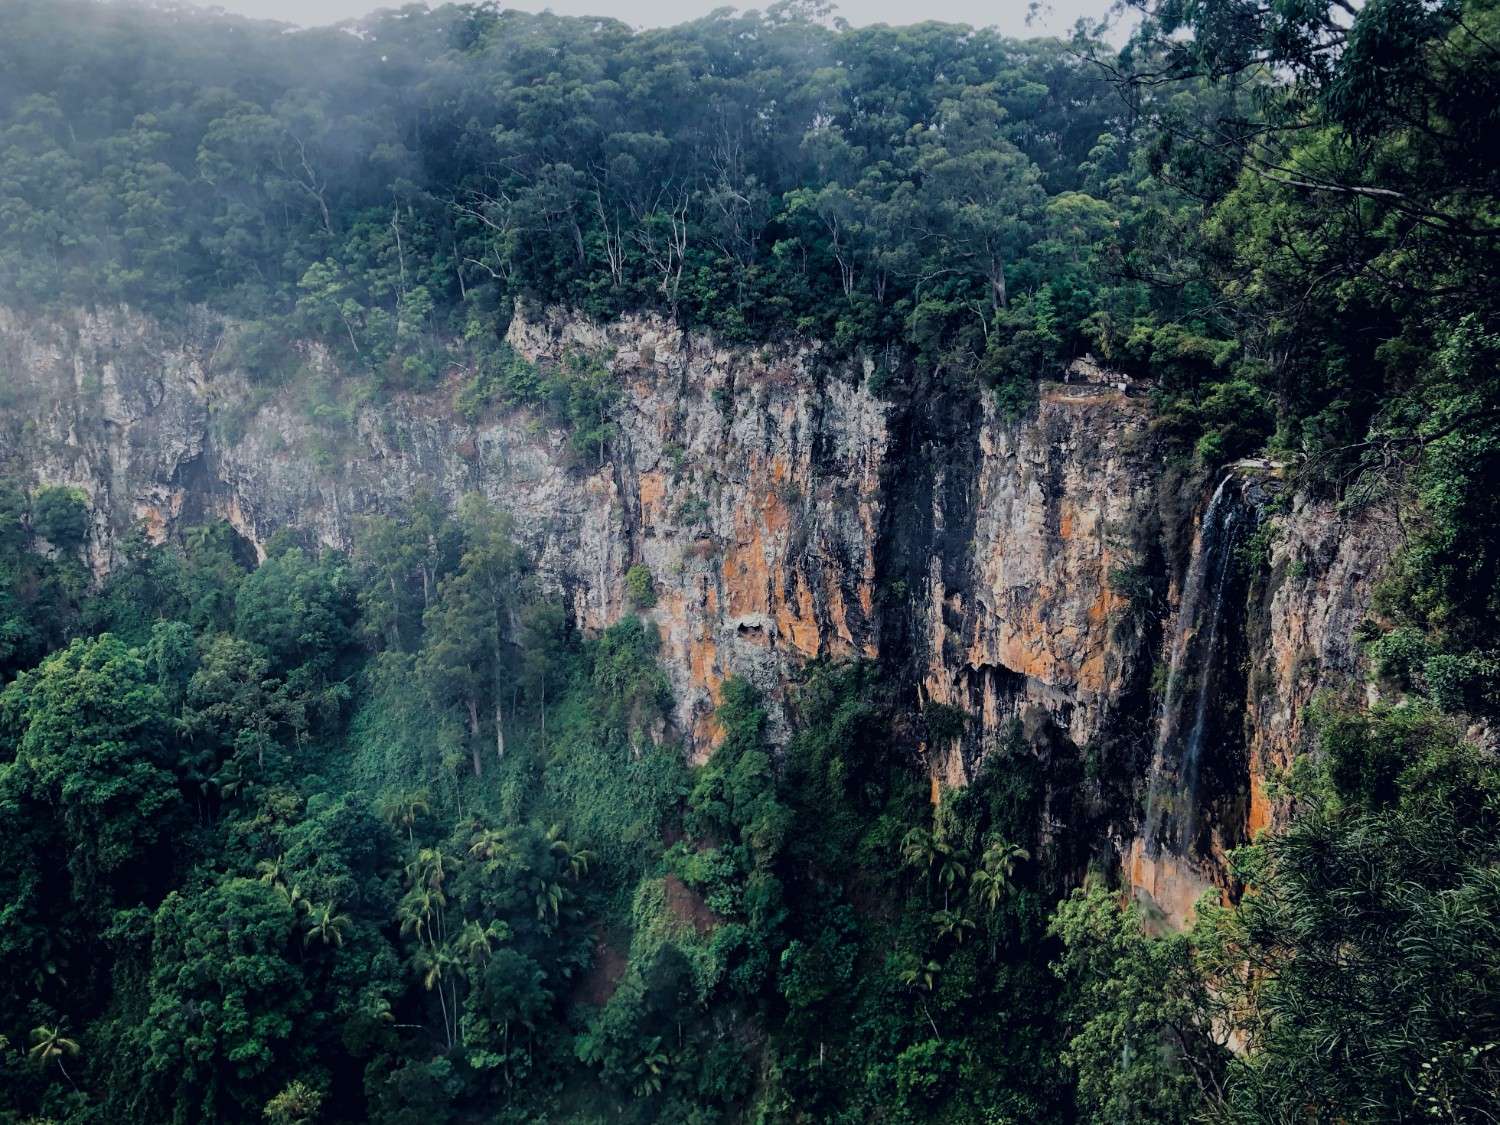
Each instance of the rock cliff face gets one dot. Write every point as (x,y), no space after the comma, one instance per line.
(1022,609)
(1276,586)
(1323,568)
(748,483)
(784,511)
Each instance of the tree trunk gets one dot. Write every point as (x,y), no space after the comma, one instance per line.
(395,614)
(443,1003)
(930,1021)
(474,737)
(453,992)
(498,640)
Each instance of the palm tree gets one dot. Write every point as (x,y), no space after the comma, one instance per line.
(997,865)
(991,882)
(950,870)
(954,924)
(327,926)
(945,864)
(417,911)
(272,871)
(404,809)
(921,974)
(434,964)
(495,846)
(294,897)
(577,860)
(430,868)
(651,1069)
(550,895)
(917,847)
(230,779)
(49,1044)
(475,943)
(922,977)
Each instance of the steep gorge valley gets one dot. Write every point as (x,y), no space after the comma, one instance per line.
(777,504)
(763,570)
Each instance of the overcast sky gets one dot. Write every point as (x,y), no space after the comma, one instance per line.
(1009,15)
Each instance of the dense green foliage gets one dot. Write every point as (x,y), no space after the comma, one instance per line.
(940,189)
(1356,250)
(38,592)
(334,881)
(1361,973)
(381,838)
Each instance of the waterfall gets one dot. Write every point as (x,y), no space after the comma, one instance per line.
(1201,659)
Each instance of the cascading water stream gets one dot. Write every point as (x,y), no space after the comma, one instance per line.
(1196,663)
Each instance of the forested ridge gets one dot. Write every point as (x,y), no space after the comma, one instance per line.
(380,836)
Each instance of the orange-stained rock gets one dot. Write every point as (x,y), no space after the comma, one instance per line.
(739,515)
(1055,495)
(1259,817)
(1325,564)
(652,490)
(1166,888)
(799,627)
